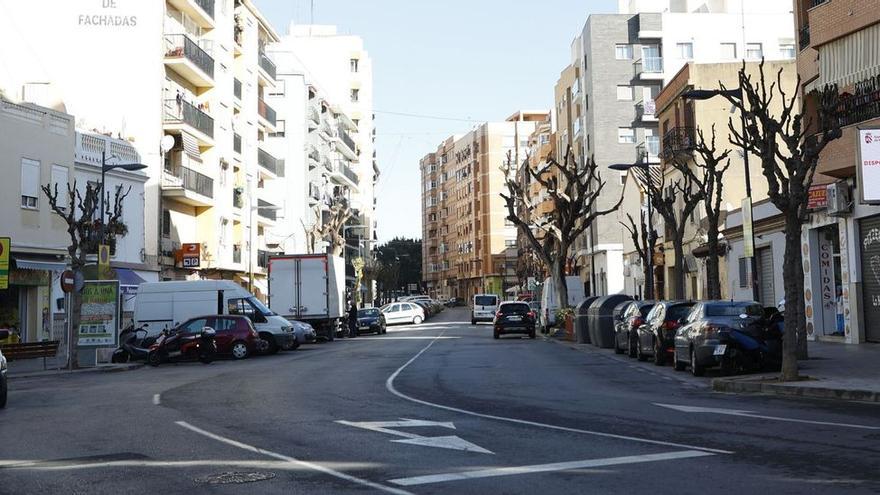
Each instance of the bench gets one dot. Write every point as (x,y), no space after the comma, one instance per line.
(28,350)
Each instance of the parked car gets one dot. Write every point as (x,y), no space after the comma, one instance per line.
(514,317)
(371,320)
(704,340)
(234,335)
(403,312)
(304,332)
(3,387)
(429,311)
(485,307)
(626,329)
(454,302)
(656,337)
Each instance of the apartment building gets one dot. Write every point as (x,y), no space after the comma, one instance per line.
(621,61)
(185,82)
(467,245)
(842,286)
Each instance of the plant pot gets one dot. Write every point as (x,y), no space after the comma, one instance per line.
(569,327)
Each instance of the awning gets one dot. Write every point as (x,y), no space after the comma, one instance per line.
(191,146)
(38,264)
(128,277)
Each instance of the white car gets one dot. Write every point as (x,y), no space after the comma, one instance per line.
(403,312)
(484,308)
(3,370)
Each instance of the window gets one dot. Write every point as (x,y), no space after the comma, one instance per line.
(754,51)
(355,94)
(60,179)
(509,243)
(586,102)
(625,135)
(728,51)
(194,326)
(354,65)
(624,93)
(30,183)
(744,276)
(623,52)
(685,50)
(786,50)
(280,129)
(166,223)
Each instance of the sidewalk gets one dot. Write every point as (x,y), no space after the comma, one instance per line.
(834,371)
(30,368)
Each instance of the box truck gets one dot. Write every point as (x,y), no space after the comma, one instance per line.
(550,303)
(309,288)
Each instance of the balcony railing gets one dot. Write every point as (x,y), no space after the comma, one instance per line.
(185,112)
(314,154)
(192,180)
(236,89)
(180,45)
(648,65)
(804,37)
(267,161)
(236,143)
(347,171)
(678,140)
(343,135)
(863,104)
(267,65)
(207,6)
(265,111)
(266,210)
(816,3)
(314,115)
(327,164)
(236,253)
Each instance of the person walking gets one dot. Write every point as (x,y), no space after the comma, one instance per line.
(353,320)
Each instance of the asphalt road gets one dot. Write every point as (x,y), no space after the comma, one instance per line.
(437,408)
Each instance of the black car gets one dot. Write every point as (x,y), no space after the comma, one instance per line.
(702,341)
(656,336)
(625,329)
(3,385)
(514,317)
(371,320)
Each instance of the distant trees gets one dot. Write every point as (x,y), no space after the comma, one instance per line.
(398,264)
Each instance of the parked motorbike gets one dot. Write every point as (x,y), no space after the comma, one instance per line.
(754,347)
(173,345)
(134,345)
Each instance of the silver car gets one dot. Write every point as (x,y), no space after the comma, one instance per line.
(303,331)
(3,370)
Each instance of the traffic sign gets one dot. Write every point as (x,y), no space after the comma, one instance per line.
(68,281)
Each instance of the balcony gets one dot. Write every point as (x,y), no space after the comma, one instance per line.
(314,117)
(238,197)
(342,174)
(314,157)
(327,164)
(314,194)
(187,186)
(200,11)
(645,110)
(863,104)
(188,59)
(267,67)
(679,140)
(268,162)
(236,90)
(266,113)
(804,37)
(184,116)
(346,144)
(236,143)
(649,68)
(266,210)
(649,150)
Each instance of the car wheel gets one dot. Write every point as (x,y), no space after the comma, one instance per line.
(676,364)
(617,349)
(154,359)
(659,354)
(639,355)
(239,350)
(417,319)
(696,369)
(496,335)
(271,346)
(631,349)
(532,333)
(473,322)
(294,345)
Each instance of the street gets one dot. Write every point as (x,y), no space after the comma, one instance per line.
(435,408)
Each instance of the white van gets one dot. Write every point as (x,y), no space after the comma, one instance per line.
(484,308)
(161,305)
(550,303)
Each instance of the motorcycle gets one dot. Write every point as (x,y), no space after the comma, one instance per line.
(134,345)
(173,345)
(756,346)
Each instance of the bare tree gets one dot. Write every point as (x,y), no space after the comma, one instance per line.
(711,167)
(85,232)
(575,190)
(788,148)
(332,230)
(645,240)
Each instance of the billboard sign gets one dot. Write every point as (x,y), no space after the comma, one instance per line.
(99,318)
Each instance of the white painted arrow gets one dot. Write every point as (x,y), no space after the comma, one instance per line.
(752,414)
(444,442)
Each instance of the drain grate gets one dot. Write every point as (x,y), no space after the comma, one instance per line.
(235,477)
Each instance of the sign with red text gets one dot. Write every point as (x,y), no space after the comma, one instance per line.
(869,165)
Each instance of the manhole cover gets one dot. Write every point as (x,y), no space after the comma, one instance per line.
(235,478)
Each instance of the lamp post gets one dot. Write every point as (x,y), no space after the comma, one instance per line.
(105,167)
(705,94)
(646,168)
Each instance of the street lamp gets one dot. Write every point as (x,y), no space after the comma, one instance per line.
(105,167)
(646,168)
(705,94)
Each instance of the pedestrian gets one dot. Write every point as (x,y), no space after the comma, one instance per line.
(353,320)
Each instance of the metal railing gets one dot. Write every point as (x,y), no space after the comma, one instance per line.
(678,140)
(816,3)
(265,111)
(207,6)
(267,161)
(236,143)
(804,37)
(180,45)
(192,180)
(648,65)
(267,65)
(266,209)
(236,89)
(343,135)
(347,171)
(185,112)
(863,104)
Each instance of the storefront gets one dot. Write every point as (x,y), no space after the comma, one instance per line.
(28,304)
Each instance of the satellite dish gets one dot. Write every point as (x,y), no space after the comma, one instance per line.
(167,143)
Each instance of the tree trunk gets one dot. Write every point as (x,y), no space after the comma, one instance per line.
(713,276)
(557,272)
(73,332)
(793,277)
(649,282)
(678,271)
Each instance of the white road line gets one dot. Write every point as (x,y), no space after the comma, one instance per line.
(546,468)
(389,385)
(752,414)
(307,464)
(386,337)
(157,399)
(50,465)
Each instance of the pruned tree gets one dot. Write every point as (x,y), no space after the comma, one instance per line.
(788,147)
(332,230)
(575,190)
(85,232)
(707,174)
(645,240)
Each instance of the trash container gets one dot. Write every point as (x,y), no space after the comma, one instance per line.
(580,321)
(600,319)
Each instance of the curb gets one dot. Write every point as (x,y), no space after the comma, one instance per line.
(752,386)
(96,369)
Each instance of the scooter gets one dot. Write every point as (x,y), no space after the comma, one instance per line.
(755,346)
(173,345)
(134,345)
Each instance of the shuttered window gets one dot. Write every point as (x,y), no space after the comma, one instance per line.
(869,243)
(743,273)
(766,289)
(30,182)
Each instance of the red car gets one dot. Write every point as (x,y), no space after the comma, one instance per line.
(236,335)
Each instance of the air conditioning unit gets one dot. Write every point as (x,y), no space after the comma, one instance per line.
(839,199)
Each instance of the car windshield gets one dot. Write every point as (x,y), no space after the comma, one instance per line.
(260,306)
(734,309)
(485,301)
(368,313)
(678,311)
(514,308)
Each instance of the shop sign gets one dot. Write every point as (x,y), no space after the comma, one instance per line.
(869,165)
(826,274)
(5,243)
(29,277)
(99,313)
(748,231)
(190,255)
(817,197)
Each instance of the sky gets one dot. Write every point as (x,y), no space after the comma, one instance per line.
(461,61)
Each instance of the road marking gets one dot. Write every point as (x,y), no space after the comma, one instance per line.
(50,465)
(389,385)
(546,468)
(426,337)
(157,399)
(751,414)
(444,442)
(307,464)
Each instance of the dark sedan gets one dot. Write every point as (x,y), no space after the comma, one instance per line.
(626,329)
(371,320)
(701,341)
(656,336)
(514,317)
